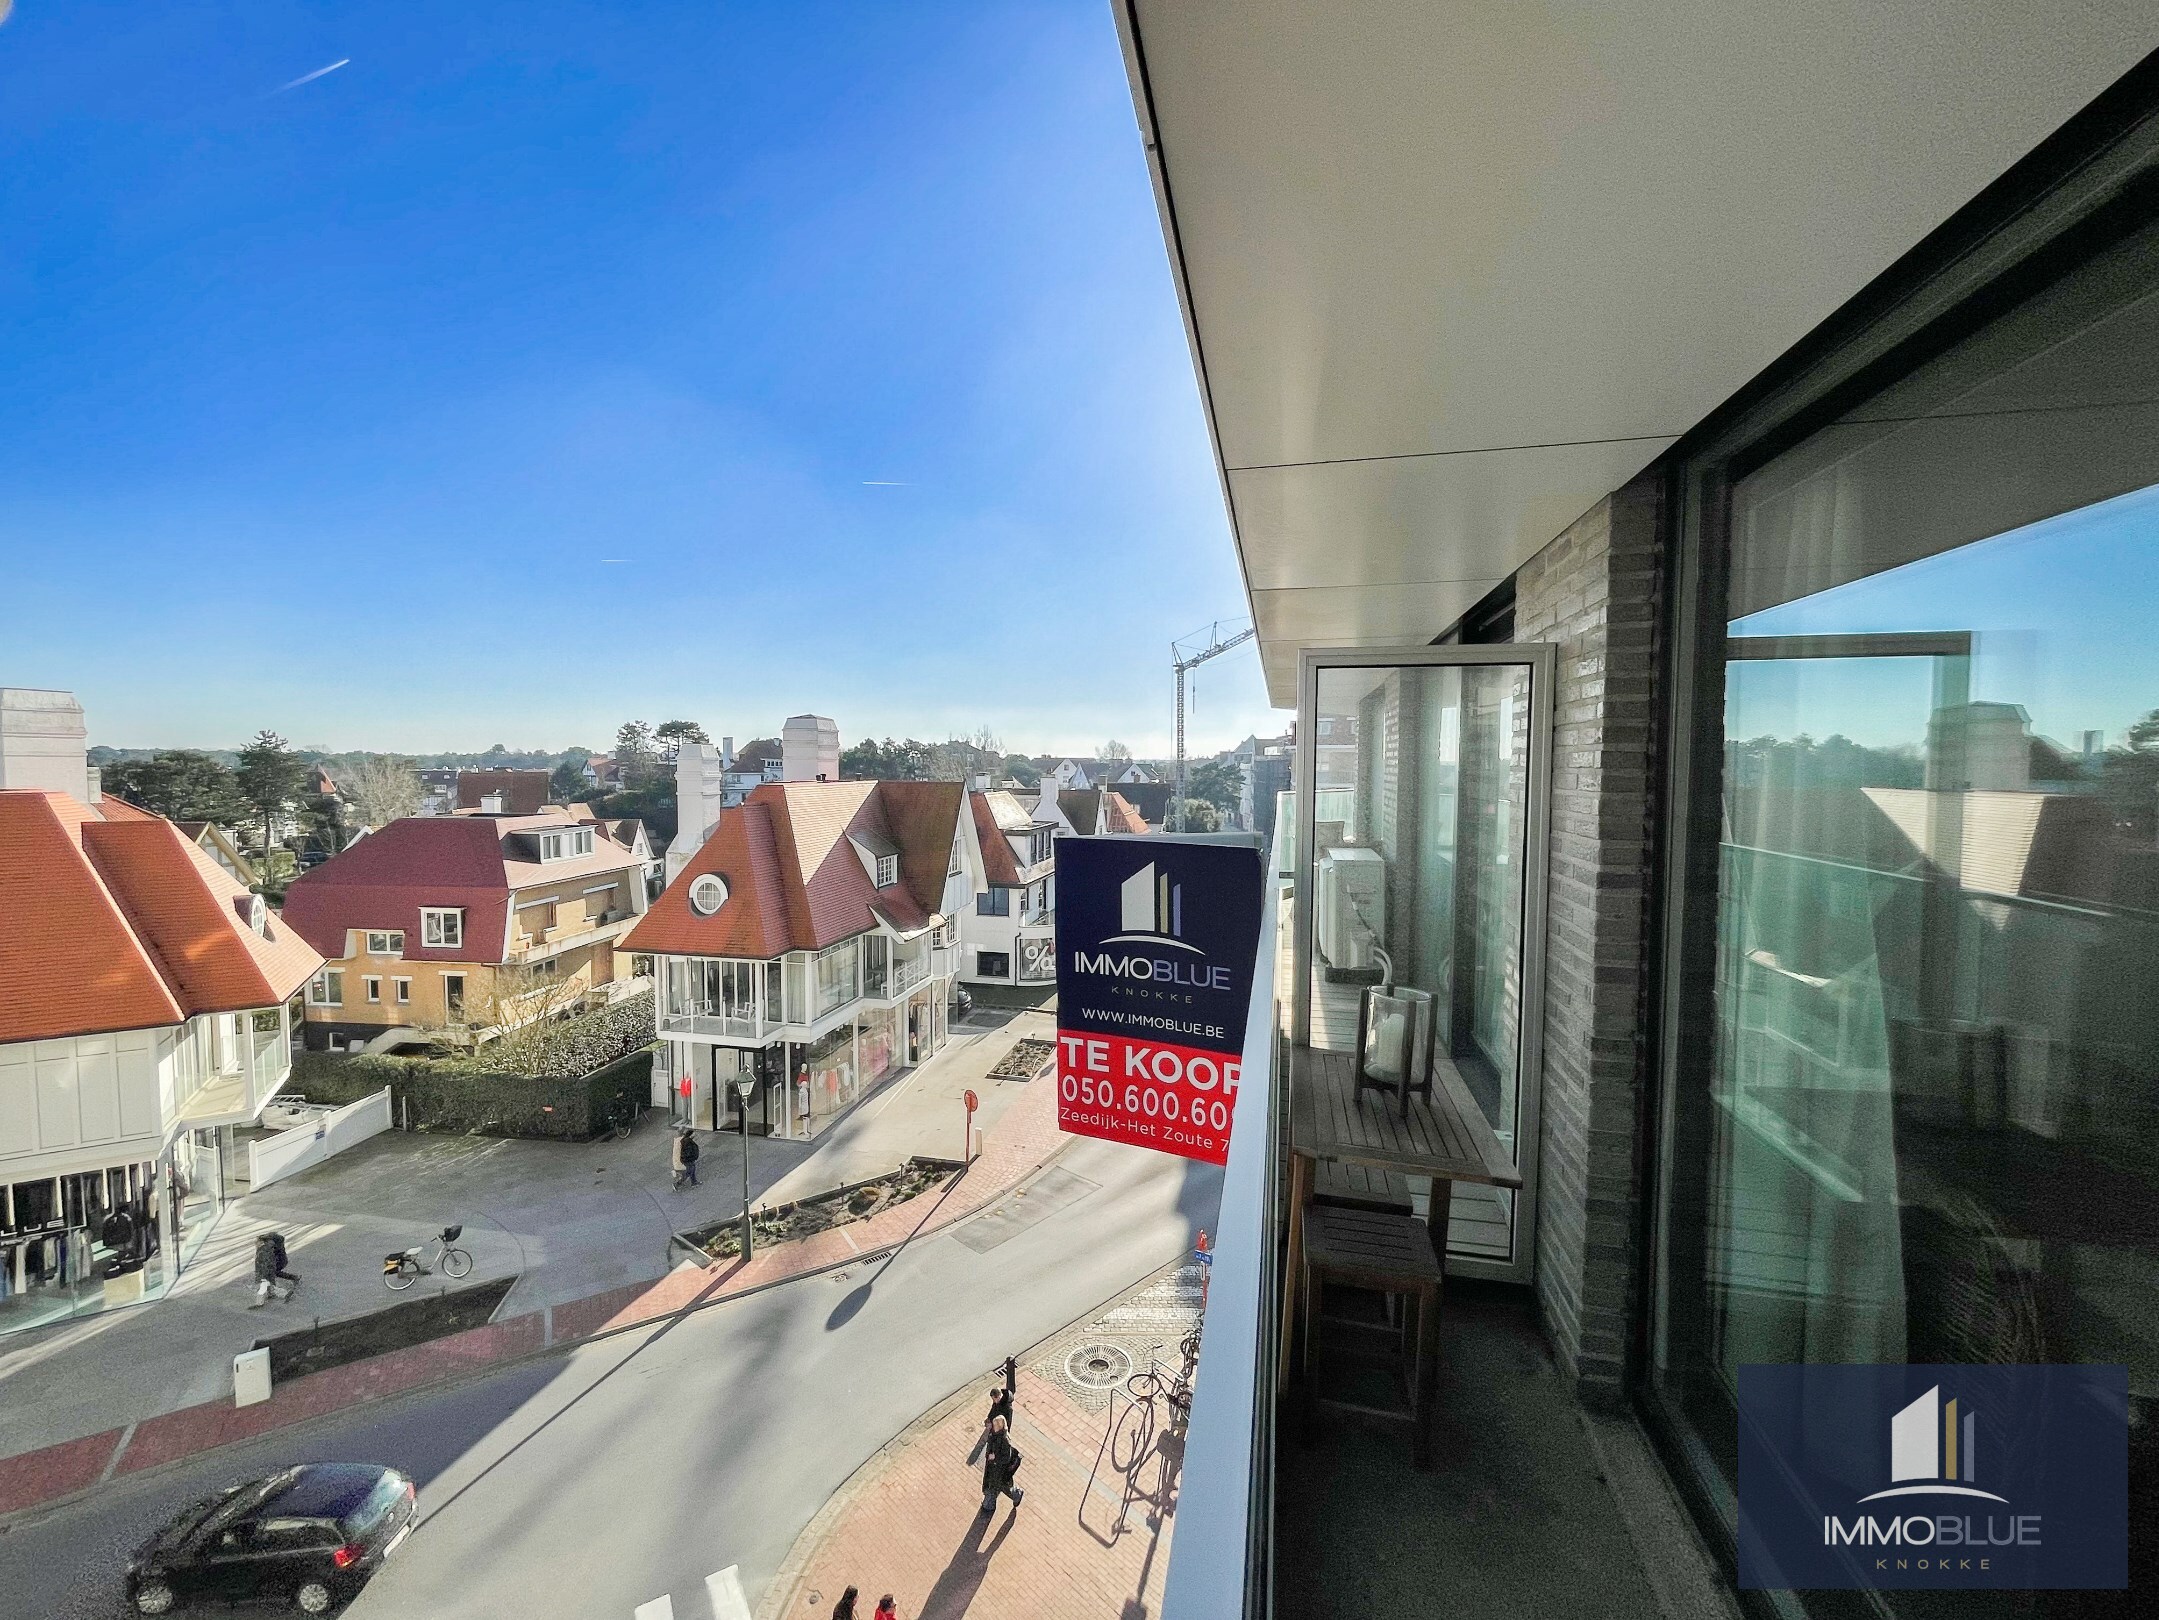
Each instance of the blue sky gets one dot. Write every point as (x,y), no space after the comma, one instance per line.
(846,327)
(2059,613)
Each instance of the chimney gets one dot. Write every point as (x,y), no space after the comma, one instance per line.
(809,749)
(42,742)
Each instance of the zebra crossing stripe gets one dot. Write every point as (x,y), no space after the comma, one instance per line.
(724,1589)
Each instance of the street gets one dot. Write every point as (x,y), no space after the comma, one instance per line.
(566,1219)
(599,1481)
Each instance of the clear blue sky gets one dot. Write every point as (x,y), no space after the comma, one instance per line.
(2058,611)
(846,327)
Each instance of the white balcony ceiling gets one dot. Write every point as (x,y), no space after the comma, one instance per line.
(1454,269)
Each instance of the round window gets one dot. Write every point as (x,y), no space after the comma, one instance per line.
(708,894)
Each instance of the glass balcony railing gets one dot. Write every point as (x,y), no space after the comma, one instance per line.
(1219,1561)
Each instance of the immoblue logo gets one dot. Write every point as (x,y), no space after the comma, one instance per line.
(1955,1477)
(1929,1440)
(1151,911)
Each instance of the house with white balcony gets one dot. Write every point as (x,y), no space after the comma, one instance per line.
(809,947)
(144,1015)
(1010,938)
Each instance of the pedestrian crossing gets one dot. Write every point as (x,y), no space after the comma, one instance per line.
(723,1600)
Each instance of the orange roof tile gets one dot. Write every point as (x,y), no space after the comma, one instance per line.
(110,919)
(794,878)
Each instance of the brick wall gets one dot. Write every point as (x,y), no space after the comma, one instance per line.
(1594,592)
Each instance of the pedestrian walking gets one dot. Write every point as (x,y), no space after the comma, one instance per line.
(1000,1465)
(291,1279)
(683,1156)
(845,1608)
(887,1609)
(266,1272)
(1001,1398)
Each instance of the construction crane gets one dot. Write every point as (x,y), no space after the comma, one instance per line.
(1183,662)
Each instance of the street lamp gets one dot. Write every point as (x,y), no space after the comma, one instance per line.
(745,1087)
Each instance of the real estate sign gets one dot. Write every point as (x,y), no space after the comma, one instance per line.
(1156,939)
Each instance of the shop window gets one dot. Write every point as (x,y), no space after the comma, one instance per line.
(993,964)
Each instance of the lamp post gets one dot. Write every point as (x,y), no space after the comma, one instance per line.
(745,1087)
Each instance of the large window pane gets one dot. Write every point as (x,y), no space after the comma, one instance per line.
(1922,1128)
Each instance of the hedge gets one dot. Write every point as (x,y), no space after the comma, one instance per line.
(433,1094)
(564,1048)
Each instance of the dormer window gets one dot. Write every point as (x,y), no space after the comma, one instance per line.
(888,871)
(390,943)
(560,846)
(441,927)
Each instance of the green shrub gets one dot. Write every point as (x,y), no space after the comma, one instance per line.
(460,1094)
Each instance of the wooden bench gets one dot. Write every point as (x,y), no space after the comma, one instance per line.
(1359,1186)
(1392,1255)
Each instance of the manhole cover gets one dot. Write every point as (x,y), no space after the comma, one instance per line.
(1098,1366)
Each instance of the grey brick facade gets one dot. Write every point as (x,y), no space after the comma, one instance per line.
(1594,592)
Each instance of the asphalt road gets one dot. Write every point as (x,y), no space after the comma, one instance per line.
(587,1484)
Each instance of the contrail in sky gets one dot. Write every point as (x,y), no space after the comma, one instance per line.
(318,73)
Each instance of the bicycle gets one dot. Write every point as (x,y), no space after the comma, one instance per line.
(1146,1385)
(622,1121)
(401,1270)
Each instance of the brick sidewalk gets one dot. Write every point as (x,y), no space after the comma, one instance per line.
(1091,1541)
(1022,1142)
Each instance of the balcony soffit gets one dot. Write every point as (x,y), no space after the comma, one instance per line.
(1465,230)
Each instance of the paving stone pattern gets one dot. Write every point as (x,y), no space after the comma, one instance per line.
(1090,1542)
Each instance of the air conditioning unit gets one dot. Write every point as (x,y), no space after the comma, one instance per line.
(1351,910)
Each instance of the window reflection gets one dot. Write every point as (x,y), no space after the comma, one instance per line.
(1926,1125)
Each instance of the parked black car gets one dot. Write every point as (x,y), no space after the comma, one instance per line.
(309,1536)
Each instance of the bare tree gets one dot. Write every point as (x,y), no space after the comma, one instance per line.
(383,789)
(512,1012)
(1114,752)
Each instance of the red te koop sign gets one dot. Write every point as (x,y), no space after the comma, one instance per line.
(1156,940)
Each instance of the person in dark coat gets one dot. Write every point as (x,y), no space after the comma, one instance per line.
(684,1157)
(290,1278)
(1001,1398)
(1000,1466)
(266,1271)
(845,1608)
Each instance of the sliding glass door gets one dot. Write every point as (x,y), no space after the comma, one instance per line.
(1424,882)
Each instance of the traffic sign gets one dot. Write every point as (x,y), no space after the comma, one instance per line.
(973,1102)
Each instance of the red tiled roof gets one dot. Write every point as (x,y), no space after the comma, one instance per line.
(110,919)
(198,933)
(1150,799)
(794,878)
(470,863)
(1122,817)
(523,792)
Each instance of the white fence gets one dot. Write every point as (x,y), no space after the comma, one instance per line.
(274,1158)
